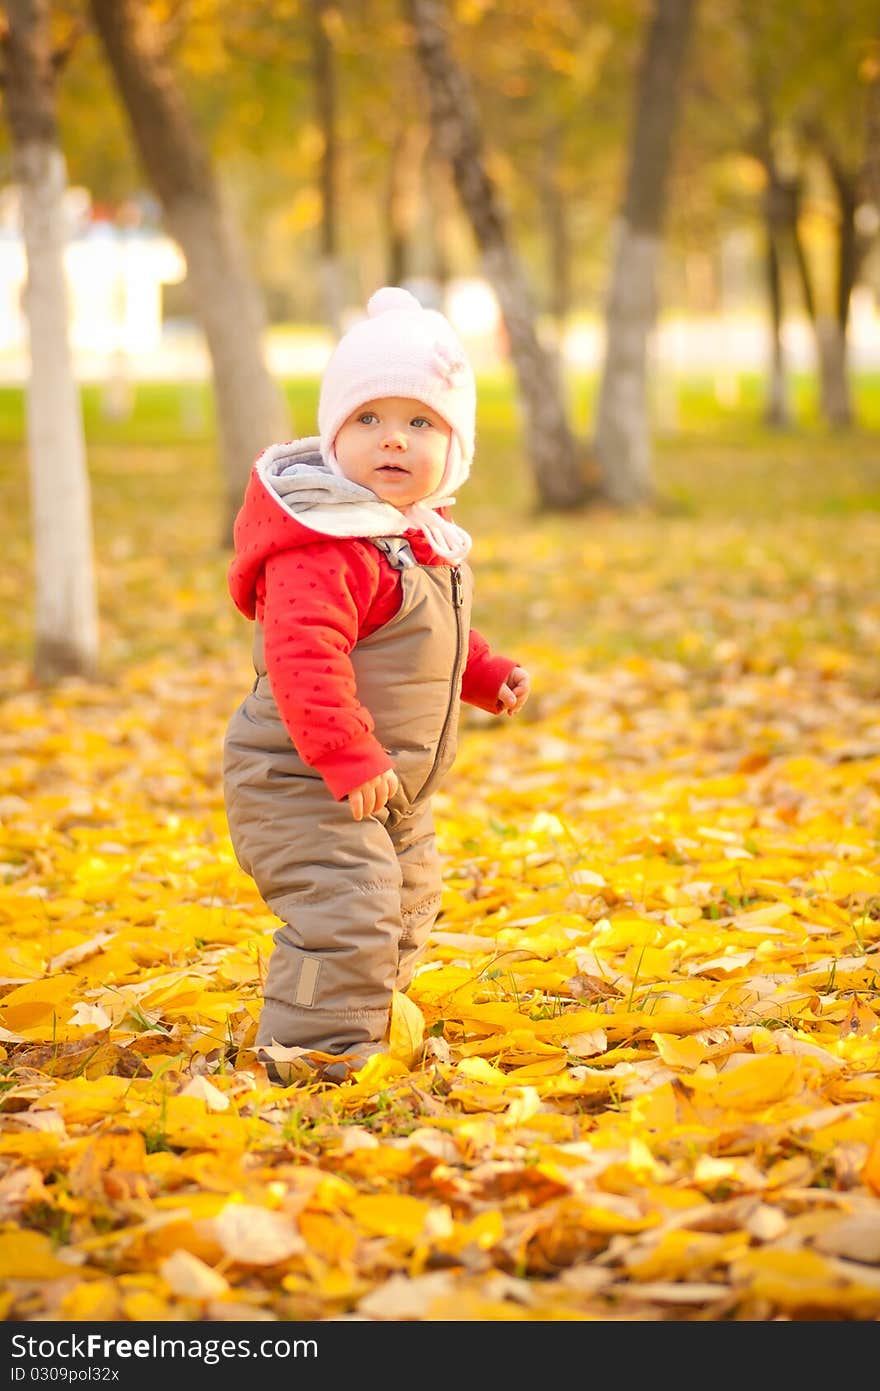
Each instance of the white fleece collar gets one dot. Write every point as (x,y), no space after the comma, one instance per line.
(327,502)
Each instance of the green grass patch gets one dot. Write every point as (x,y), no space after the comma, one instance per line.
(764,509)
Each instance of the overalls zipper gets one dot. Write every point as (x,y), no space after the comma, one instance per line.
(457,602)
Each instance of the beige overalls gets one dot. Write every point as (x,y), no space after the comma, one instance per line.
(357,898)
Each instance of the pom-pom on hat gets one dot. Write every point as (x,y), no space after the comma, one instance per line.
(401,349)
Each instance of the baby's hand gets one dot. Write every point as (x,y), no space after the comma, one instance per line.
(373,795)
(515,691)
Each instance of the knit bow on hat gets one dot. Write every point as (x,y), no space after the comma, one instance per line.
(450,365)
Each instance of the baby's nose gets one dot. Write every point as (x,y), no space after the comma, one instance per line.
(395,439)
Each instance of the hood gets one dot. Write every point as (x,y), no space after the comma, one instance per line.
(292,499)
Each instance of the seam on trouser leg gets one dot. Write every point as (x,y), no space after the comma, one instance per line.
(307,983)
(416,924)
(324,1014)
(424,905)
(286,905)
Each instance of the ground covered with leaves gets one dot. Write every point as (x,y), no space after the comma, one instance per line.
(637,1076)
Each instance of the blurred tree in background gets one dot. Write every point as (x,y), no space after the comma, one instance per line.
(553,88)
(312,158)
(622,425)
(226,299)
(66,617)
(458,136)
(817,85)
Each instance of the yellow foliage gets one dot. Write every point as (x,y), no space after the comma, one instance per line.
(685,1053)
(806,1284)
(755,1084)
(646,1023)
(680,1254)
(407,1029)
(394,1216)
(26,1255)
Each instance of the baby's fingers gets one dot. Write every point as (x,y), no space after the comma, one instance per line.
(363,802)
(372,796)
(384,789)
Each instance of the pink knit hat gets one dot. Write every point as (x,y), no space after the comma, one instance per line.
(401,349)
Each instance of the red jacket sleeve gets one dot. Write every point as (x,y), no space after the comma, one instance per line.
(316,598)
(484,675)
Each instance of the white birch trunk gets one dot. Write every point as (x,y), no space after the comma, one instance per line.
(623,430)
(778,411)
(332,280)
(251,409)
(66,621)
(251,412)
(833,376)
(622,439)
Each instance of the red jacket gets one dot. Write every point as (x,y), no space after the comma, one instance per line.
(316,597)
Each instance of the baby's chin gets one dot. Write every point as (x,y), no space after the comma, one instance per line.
(397,491)
(395,496)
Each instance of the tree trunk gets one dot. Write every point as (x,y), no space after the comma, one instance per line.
(831,347)
(837,396)
(830,350)
(778,204)
(776,410)
(780,197)
(552,449)
(396,228)
(439,196)
(870,180)
(831,327)
(405,158)
(554,206)
(324,70)
(830,362)
(251,412)
(66,618)
(623,443)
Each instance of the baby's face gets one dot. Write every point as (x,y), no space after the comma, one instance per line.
(395,446)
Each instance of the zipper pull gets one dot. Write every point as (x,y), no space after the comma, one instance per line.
(457,593)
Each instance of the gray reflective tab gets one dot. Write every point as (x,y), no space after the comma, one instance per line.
(397,551)
(307,983)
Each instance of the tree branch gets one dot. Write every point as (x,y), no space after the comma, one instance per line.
(62,54)
(4,49)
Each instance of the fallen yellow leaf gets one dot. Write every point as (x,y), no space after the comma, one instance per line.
(407,1032)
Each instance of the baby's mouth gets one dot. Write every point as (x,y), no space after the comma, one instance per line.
(392,468)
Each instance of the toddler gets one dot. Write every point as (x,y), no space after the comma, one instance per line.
(348,560)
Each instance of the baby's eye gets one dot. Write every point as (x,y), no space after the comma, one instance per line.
(367,417)
(422,420)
